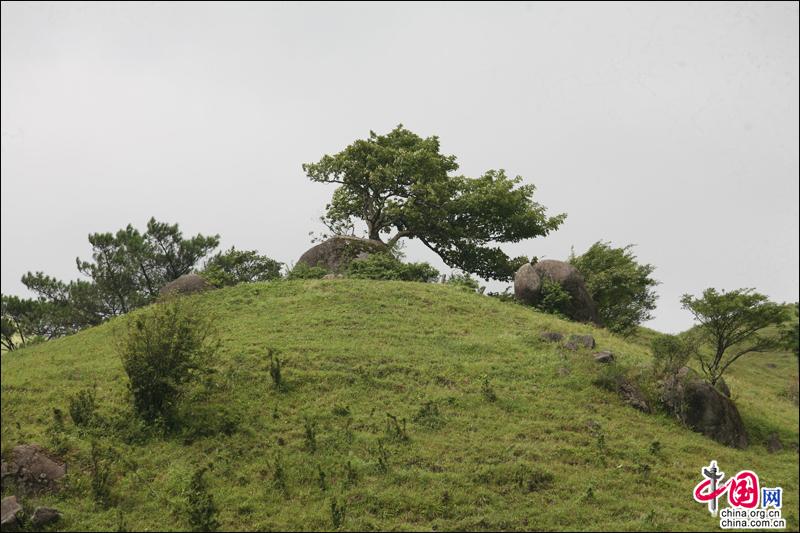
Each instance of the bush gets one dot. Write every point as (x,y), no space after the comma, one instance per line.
(303,271)
(621,287)
(240,266)
(555,299)
(82,408)
(670,353)
(163,351)
(464,281)
(384,266)
(200,504)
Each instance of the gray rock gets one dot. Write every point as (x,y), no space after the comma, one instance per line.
(551,336)
(34,470)
(339,251)
(604,357)
(186,284)
(43,516)
(632,395)
(583,341)
(702,408)
(774,443)
(9,509)
(528,282)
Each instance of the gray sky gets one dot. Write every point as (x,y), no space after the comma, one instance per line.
(671,126)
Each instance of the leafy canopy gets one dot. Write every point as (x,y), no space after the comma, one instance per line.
(621,287)
(240,266)
(734,323)
(401,186)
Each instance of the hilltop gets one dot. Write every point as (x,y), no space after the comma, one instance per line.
(552,451)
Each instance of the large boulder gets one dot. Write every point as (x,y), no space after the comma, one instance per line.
(339,251)
(528,282)
(703,408)
(33,470)
(186,284)
(8,514)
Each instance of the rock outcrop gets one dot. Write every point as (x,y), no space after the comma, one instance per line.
(338,251)
(528,283)
(703,408)
(33,470)
(186,284)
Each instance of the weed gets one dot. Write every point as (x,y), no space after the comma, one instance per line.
(279,475)
(487,390)
(655,448)
(56,433)
(83,408)
(321,479)
(275,365)
(338,511)
(396,429)
(200,504)
(428,415)
(383,457)
(310,435)
(350,475)
(100,471)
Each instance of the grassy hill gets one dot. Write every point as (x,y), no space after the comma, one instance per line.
(551,452)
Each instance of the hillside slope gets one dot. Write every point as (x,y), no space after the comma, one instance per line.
(357,350)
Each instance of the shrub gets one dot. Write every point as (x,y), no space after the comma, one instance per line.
(555,299)
(670,353)
(621,287)
(82,408)
(303,271)
(338,511)
(163,351)
(275,365)
(200,504)
(240,266)
(464,281)
(100,471)
(384,266)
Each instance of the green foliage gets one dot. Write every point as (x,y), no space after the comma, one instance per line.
(464,281)
(733,324)
(621,287)
(487,390)
(670,353)
(554,298)
(275,365)
(355,343)
(129,267)
(790,333)
(303,271)
(100,462)
(201,510)
(399,184)
(126,271)
(164,350)
(240,266)
(310,434)
(338,512)
(25,321)
(428,415)
(384,266)
(83,408)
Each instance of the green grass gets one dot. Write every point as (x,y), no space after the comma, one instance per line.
(354,351)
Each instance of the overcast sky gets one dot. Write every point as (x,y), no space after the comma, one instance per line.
(670,126)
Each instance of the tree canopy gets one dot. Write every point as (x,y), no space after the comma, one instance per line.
(126,271)
(734,322)
(620,286)
(400,186)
